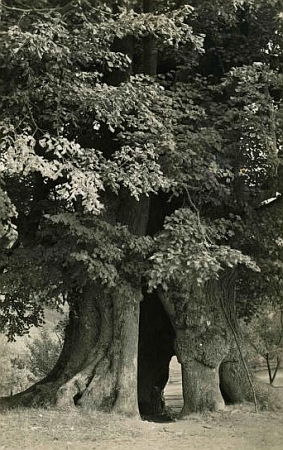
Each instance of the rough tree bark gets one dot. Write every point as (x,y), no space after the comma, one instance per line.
(234,383)
(236,388)
(102,333)
(202,340)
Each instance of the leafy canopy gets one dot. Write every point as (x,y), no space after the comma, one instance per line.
(83,127)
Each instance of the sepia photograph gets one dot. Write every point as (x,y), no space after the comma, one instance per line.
(141,225)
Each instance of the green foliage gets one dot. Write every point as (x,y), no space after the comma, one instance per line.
(8,231)
(13,378)
(26,362)
(42,354)
(264,334)
(19,311)
(187,253)
(98,251)
(172,28)
(263,240)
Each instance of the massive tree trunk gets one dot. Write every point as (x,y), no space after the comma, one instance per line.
(98,364)
(156,348)
(108,378)
(97,367)
(202,340)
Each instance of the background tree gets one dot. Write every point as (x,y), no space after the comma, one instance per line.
(43,353)
(14,378)
(248,127)
(264,335)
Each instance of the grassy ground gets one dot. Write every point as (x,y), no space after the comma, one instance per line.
(236,428)
(233,429)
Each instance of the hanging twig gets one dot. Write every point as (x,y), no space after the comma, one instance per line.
(25,10)
(196,210)
(63,9)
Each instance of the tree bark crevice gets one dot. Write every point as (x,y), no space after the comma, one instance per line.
(202,340)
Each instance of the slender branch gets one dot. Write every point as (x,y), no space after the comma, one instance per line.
(24,10)
(62,9)
(192,203)
(206,237)
(254,347)
(281,330)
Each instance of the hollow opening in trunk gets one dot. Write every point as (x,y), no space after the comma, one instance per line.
(173,392)
(76,398)
(156,347)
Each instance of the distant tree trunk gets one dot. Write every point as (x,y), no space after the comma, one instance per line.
(277,367)
(149,45)
(156,348)
(202,341)
(272,374)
